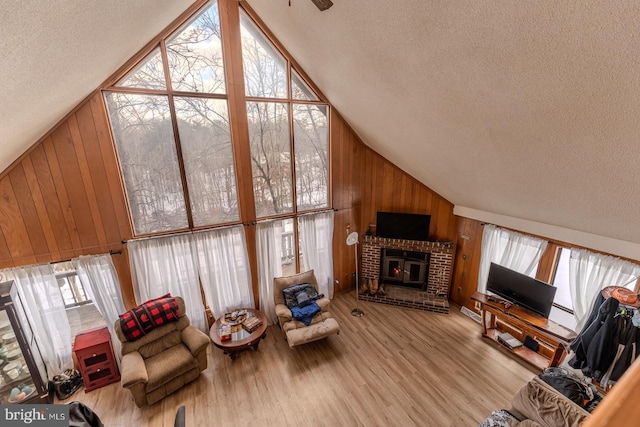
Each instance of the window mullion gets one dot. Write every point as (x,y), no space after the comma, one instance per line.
(294,186)
(176,134)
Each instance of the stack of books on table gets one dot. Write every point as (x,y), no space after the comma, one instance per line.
(250,324)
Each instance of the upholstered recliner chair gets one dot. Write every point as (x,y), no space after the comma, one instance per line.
(164,359)
(322,324)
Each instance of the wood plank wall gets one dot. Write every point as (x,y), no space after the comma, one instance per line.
(364,183)
(467,261)
(64,197)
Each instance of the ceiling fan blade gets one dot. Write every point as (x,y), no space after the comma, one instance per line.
(323,4)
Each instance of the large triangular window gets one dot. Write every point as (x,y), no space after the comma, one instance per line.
(174,143)
(180,145)
(279,125)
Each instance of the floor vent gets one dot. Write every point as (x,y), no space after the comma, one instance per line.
(472,314)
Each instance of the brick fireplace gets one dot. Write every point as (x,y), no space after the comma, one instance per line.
(433,297)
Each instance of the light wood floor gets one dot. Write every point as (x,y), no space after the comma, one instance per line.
(392,367)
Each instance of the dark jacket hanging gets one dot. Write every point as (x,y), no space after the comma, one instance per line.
(628,344)
(592,337)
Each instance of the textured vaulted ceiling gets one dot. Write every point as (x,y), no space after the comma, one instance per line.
(525,109)
(521,113)
(53,53)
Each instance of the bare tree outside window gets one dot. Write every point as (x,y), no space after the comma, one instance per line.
(149,74)
(270,157)
(311,137)
(265,69)
(203,125)
(265,76)
(195,54)
(301,90)
(146,148)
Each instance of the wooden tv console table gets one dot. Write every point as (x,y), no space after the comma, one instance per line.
(553,339)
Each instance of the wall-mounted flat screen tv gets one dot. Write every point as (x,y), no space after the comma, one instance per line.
(521,289)
(394,225)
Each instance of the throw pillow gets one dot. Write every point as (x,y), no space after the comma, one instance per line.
(138,321)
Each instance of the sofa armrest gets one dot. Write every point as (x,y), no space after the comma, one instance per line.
(540,402)
(134,370)
(323,303)
(283,312)
(194,339)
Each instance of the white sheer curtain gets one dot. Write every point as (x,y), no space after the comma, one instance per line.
(45,310)
(99,278)
(589,273)
(509,249)
(269,248)
(168,264)
(224,269)
(316,240)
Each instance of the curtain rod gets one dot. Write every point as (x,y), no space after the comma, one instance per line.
(71,259)
(244,224)
(290,217)
(183,233)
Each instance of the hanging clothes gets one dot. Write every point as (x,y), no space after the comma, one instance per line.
(593,336)
(628,337)
(608,343)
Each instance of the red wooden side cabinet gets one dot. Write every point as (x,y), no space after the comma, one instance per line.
(95,356)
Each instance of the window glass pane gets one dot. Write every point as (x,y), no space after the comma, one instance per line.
(208,159)
(195,54)
(149,74)
(300,89)
(563,294)
(311,138)
(265,69)
(270,157)
(77,289)
(561,279)
(65,290)
(288,255)
(149,162)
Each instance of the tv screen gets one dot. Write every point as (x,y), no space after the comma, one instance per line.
(521,289)
(405,226)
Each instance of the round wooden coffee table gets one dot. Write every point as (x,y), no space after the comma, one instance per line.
(240,338)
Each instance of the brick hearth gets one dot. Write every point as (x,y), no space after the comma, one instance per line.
(435,297)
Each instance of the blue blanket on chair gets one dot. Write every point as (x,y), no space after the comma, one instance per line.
(306,313)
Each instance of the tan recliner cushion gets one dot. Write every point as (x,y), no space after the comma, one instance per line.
(313,332)
(540,402)
(169,364)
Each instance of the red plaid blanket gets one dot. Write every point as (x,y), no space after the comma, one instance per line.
(136,322)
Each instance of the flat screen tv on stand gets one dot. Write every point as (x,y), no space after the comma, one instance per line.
(521,289)
(405,226)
